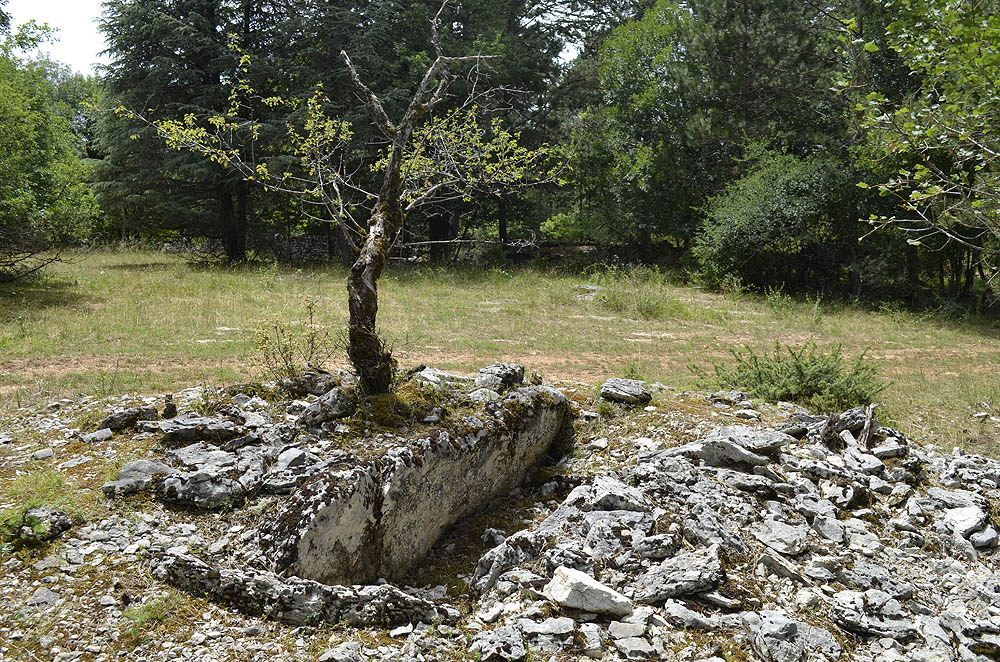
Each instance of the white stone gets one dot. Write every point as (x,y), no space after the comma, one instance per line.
(577,590)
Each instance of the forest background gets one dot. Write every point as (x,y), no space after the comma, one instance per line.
(837,148)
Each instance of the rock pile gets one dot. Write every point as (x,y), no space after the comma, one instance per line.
(821,538)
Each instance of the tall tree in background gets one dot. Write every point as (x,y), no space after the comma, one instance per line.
(171,58)
(43,197)
(685,87)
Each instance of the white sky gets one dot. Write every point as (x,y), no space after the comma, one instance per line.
(78,39)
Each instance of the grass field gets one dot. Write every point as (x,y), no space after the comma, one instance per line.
(115,322)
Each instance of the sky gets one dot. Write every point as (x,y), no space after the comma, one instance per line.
(78,40)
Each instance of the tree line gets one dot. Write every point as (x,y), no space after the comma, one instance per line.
(847,148)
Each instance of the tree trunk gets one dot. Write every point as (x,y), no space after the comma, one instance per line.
(439,229)
(233,236)
(368,353)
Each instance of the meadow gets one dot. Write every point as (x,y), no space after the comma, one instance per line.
(114,322)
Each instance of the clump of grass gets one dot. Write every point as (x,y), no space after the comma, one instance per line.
(639,292)
(47,488)
(155,618)
(820,380)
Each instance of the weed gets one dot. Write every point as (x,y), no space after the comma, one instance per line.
(283,350)
(156,617)
(820,380)
(777,300)
(45,488)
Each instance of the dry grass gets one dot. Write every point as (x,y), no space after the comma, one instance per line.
(114,322)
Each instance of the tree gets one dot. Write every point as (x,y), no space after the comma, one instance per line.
(938,149)
(168,58)
(686,87)
(43,197)
(428,157)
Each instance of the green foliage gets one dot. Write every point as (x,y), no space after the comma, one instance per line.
(684,88)
(282,349)
(820,380)
(44,488)
(785,224)
(936,153)
(43,197)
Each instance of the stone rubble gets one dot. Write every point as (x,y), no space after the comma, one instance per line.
(822,538)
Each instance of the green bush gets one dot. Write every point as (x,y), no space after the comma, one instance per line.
(786,223)
(822,381)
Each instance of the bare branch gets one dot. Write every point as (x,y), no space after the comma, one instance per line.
(374,105)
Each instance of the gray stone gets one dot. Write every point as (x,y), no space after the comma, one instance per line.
(189,428)
(484,395)
(681,617)
(718,452)
(42,598)
(966,520)
(777,639)
(503,643)
(830,528)
(872,612)
(635,648)
(96,437)
(985,539)
(202,489)
(136,476)
(731,398)
(626,391)
(300,601)
(334,404)
(611,494)
(500,377)
(380,517)
(658,547)
(863,463)
(294,457)
(127,418)
(47,523)
(550,626)
(577,590)
(593,640)
(346,652)
(784,538)
(620,630)
(694,572)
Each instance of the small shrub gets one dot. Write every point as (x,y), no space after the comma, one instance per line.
(777,300)
(281,349)
(822,381)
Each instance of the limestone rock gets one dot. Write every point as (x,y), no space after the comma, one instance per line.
(718,452)
(300,601)
(626,391)
(777,639)
(578,590)
(379,518)
(500,377)
(335,403)
(47,523)
(136,476)
(499,645)
(124,419)
(681,575)
(789,539)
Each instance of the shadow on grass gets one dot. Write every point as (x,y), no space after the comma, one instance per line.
(16,299)
(143,267)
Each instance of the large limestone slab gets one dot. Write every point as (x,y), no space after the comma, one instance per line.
(381,517)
